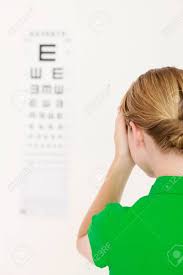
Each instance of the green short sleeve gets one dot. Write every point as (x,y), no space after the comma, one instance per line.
(102,231)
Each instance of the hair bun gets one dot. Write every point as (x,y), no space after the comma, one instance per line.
(177,141)
(180,107)
(177,138)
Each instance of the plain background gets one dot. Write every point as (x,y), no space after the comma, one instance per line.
(114,42)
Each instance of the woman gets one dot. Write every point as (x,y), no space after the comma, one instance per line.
(146,238)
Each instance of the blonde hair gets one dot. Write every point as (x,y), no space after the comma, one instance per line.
(154,102)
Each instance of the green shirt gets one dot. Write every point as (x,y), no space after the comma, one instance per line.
(146,238)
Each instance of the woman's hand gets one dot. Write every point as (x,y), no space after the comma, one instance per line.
(113,186)
(122,151)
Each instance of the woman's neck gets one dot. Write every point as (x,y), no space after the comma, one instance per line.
(168,164)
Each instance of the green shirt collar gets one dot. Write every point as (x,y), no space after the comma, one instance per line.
(167,184)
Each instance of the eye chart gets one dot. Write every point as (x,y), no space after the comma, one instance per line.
(48,80)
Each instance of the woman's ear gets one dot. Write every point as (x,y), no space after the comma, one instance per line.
(137,133)
(130,126)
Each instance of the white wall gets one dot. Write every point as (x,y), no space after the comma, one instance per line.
(114,42)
